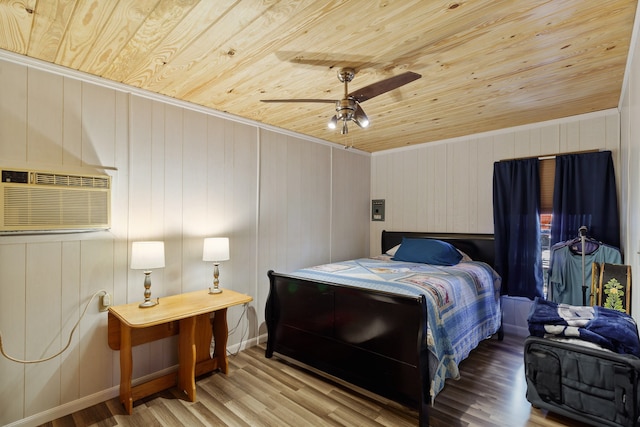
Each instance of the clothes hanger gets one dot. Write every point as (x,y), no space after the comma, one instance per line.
(583,244)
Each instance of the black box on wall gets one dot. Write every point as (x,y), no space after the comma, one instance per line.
(377,210)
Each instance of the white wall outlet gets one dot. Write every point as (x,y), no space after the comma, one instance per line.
(105,301)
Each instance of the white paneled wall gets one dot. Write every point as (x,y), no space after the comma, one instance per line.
(179,174)
(630,171)
(13,326)
(350,189)
(448,186)
(295,181)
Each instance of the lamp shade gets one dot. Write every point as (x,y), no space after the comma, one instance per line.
(147,255)
(215,249)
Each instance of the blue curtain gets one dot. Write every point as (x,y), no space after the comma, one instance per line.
(516,218)
(584,193)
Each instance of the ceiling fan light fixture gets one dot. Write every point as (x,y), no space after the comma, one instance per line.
(333,123)
(362,122)
(360,117)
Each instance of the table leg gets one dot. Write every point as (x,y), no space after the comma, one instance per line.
(187,357)
(221,335)
(126,368)
(204,334)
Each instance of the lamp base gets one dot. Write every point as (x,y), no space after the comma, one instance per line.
(148,303)
(147,291)
(216,290)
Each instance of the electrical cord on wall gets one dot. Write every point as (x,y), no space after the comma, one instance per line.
(236,327)
(102,291)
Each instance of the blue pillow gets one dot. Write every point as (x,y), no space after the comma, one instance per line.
(427,251)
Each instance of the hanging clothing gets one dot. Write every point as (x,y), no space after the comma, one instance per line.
(566,273)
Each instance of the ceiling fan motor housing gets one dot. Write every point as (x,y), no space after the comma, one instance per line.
(345,108)
(346,74)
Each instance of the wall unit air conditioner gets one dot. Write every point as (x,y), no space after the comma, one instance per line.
(36,201)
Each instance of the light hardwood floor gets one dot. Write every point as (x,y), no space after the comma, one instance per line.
(273,392)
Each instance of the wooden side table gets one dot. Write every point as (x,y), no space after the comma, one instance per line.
(185,314)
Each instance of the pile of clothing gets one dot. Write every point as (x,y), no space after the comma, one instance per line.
(609,329)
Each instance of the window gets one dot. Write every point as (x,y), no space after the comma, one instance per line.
(547,176)
(545,246)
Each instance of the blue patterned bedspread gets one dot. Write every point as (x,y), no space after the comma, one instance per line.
(463,302)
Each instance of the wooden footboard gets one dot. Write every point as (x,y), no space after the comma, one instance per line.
(373,339)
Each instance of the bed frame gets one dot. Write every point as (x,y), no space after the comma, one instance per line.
(373,339)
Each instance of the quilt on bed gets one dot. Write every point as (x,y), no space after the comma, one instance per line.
(463,302)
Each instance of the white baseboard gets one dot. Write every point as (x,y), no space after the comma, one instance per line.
(66,409)
(104,395)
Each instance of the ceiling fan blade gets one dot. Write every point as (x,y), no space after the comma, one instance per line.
(329,101)
(384,86)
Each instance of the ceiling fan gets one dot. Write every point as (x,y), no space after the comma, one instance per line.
(348,108)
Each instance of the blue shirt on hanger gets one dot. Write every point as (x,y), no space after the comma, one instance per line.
(566,278)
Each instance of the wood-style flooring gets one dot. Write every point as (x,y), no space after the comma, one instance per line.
(274,392)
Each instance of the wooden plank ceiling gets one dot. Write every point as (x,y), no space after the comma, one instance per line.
(485,64)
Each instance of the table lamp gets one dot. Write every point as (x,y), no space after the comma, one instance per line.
(147,256)
(215,249)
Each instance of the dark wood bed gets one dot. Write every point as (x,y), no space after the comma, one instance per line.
(313,322)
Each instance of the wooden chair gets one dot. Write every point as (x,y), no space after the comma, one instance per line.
(611,286)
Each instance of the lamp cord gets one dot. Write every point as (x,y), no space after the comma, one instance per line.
(244,310)
(65,347)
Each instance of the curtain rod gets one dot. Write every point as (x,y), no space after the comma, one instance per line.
(551,156)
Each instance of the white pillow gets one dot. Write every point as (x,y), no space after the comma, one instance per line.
(465,257)
(393,250)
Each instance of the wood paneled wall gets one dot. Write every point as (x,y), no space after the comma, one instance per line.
(179,174)
(448,186)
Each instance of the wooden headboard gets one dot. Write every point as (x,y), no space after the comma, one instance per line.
(479,247)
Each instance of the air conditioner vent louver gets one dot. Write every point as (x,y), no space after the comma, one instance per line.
(49,201)
(44,178)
